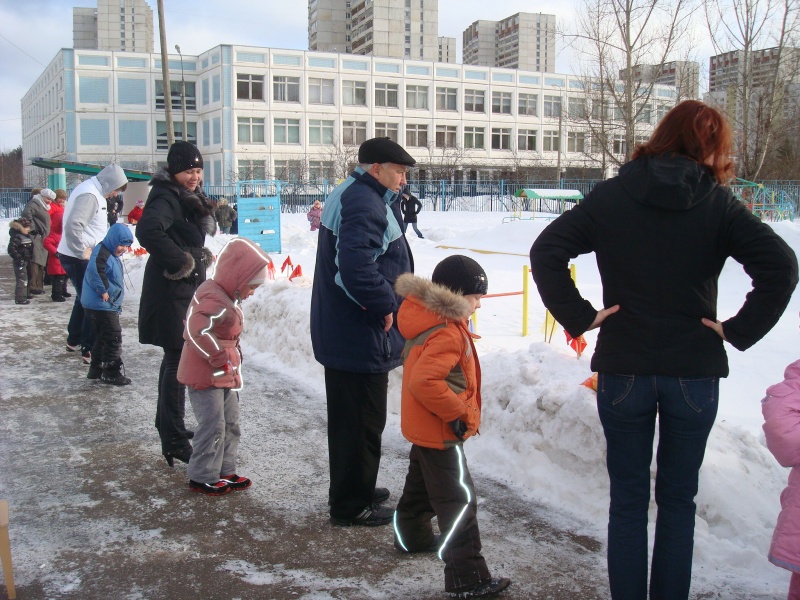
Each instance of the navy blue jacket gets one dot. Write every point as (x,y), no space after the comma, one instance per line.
(662,231)
(360,253)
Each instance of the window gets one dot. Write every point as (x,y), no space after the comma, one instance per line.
(320,91)
(175,89)
(473,137)
(354,93)
(526,104)
(501,138)
(501,103)
(289,170)
(319,170)
(577,108)
(161,133)
(95,132)
(249,87)
(552,106)
(386,95)
(446,98)
(526,139)
(287,131)
(474,100)
(93,89)
(252,169)
(550,141)
(251,130)
(389,130)
(132,133)
(620,145)
(417,97)
(354,132)
(285,89)
(576,141)
(446,136)
(662,110)
(645,114)
(320,132)
(600,110)
(416,135)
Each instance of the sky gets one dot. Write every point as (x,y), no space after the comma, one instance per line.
(540,433)
(32,31)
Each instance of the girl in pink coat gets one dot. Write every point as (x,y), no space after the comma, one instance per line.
(314,215)
(781,409)
(211,365)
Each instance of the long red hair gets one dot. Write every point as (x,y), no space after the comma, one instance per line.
(697,131)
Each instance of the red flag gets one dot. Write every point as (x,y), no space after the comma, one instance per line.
(271,270)
(287,263)
(298,272)
(578,344)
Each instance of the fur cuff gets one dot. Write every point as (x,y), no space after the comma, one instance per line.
(208,257)
(210,226)
(185,271)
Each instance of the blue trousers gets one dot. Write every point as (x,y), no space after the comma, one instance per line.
(628,406)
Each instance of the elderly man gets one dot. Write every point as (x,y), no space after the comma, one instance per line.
(84,225)
(360,253)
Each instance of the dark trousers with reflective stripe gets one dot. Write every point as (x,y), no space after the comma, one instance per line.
(438,483)
(356,418)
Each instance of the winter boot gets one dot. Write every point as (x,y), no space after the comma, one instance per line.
(95,370)
(57,294)
(64,291)
(490,587)
(113,373)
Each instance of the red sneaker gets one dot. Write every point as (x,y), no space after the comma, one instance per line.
(235,482)
(211,489)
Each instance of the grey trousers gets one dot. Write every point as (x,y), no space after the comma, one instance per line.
(216,439)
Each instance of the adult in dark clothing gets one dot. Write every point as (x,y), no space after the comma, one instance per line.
(38,211)
(114,205)
(662,231)
(410,206)
(176,218)
(225,215)
(360,253)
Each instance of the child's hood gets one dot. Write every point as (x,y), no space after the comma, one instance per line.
(118,235)
(21,225)
(427,304)
(239,261)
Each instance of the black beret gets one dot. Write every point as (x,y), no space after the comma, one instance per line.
(183,156)
(384,150)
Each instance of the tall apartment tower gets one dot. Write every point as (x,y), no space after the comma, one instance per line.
(390,28)
(524,41)
(683,74)
(115,25)
(447,49)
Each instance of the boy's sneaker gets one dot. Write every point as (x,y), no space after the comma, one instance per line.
(380,495)
(210,489)
(87,357)
(482,590)
(371,516)
(72,347)
(235,482)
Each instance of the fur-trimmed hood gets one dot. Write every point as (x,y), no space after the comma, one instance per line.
(195,201)
(428,304)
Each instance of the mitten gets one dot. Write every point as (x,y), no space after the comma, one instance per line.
(208,257)
(459,428)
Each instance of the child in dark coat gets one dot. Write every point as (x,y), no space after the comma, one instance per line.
(101,298)
(20,248)
(440,408)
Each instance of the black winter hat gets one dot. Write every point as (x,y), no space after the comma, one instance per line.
(384,150)
(182,157)
(462,275)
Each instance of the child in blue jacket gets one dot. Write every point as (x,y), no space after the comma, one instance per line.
(103,291)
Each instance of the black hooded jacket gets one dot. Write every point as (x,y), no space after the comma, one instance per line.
(662,231)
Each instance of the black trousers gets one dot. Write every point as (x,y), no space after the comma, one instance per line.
(356,418)
(21,278)
(438,483)
(108,336)
(171,407)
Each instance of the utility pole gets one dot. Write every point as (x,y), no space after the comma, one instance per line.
(165,75)
(183,92)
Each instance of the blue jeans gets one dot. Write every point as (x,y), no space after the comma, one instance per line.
(79,329)
(686,408)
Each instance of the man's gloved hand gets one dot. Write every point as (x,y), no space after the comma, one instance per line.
(459,428)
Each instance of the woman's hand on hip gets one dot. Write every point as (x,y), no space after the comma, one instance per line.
(716,326)
(602,315)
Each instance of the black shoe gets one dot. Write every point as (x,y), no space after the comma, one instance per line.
(210,489)
(182,454)
(94,372)
(484,589)
(380,495)
(371,516)
(66,294)
(236,482)
(189,434)
(113,378)
(58,298)
(22,301)
(37,292)
(434,547)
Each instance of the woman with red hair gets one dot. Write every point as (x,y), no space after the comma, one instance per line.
(662,231)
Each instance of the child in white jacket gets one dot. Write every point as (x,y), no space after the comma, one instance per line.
(781,409)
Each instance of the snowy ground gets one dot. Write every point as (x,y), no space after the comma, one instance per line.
(540,432)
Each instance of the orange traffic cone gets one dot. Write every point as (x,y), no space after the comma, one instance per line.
(298,272)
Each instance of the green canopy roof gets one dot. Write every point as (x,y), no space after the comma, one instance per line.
(555,194)
(86,168)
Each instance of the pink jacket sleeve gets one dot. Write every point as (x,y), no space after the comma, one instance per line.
(781,410)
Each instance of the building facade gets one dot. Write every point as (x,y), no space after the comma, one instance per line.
(447,50)
(121,25)
(259,112)
(683,75)
(524,41)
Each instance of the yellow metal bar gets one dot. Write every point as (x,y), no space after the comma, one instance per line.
(525,272)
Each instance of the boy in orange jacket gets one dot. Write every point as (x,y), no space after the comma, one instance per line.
(440,408)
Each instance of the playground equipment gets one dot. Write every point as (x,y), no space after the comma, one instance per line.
(554,201)
(767,204)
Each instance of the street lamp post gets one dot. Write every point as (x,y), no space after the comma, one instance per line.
(183,92)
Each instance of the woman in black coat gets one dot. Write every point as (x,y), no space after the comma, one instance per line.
(410,206)
(174,223)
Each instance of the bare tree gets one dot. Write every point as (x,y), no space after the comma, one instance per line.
(445,162)
(758,39)
(619,42)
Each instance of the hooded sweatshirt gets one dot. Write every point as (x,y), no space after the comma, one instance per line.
(104,273)
(661,232)
(441,372)
(215,321)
